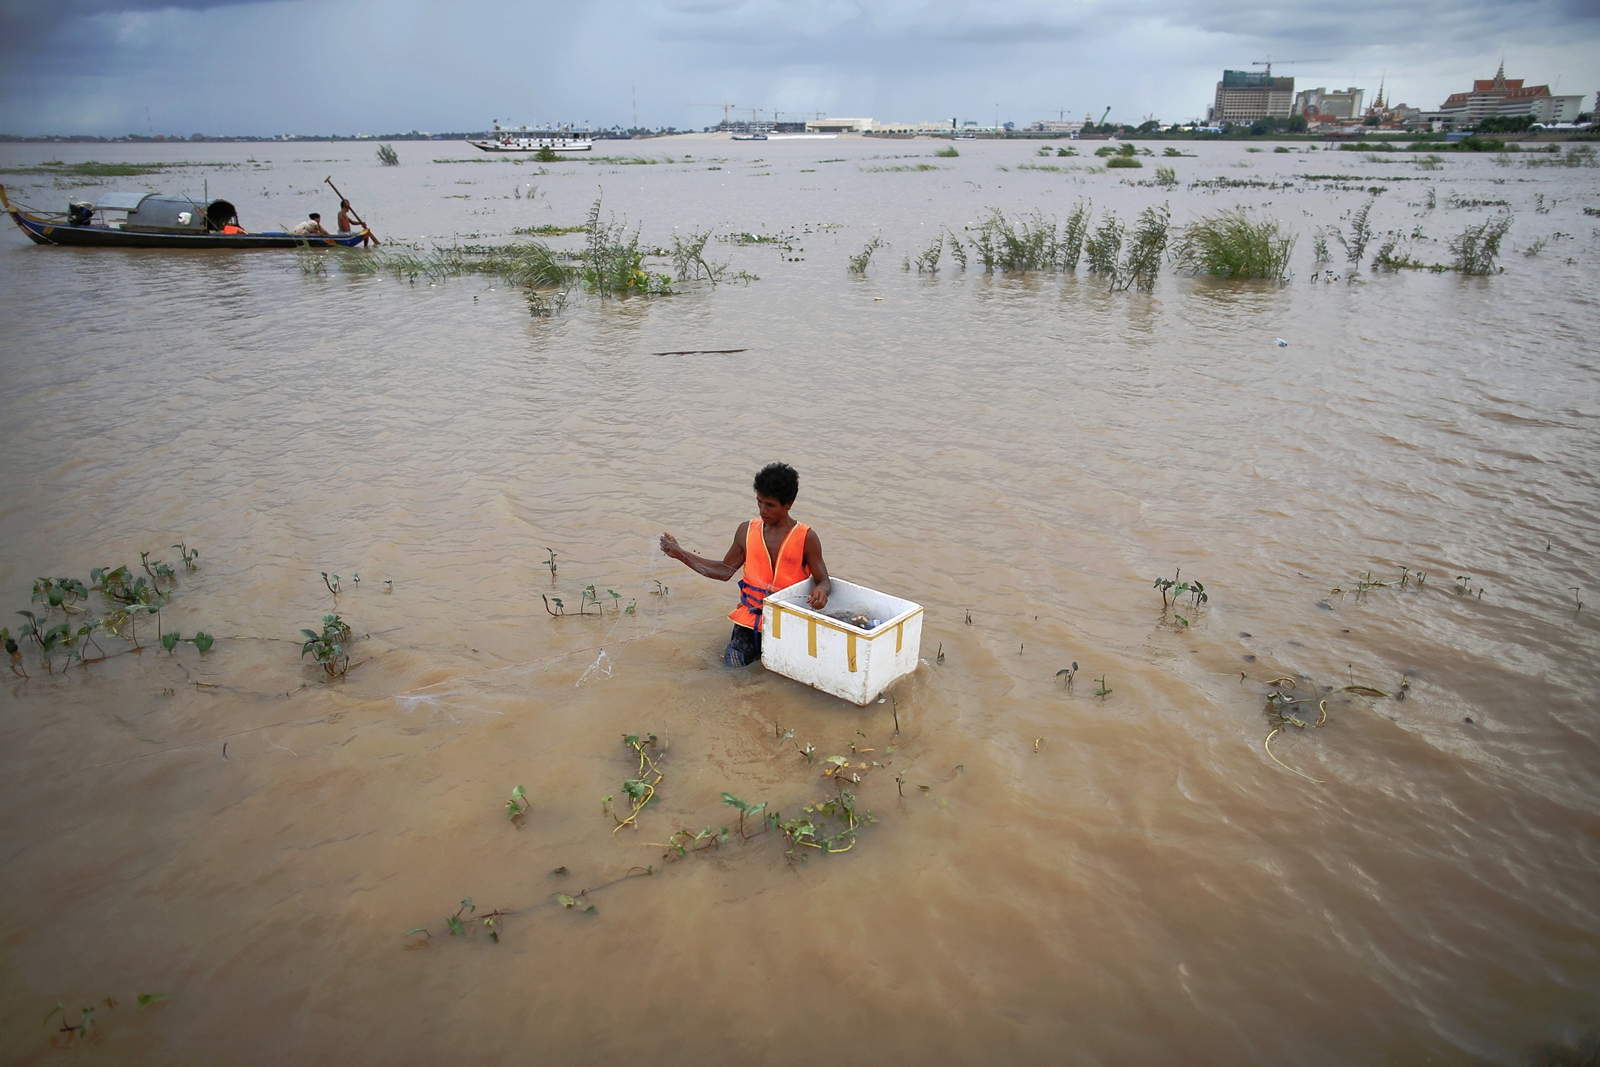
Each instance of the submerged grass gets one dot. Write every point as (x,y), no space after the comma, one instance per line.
(550,230)
(92,169)
(1231,244)
(528,264)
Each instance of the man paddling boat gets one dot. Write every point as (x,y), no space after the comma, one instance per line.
(775,552)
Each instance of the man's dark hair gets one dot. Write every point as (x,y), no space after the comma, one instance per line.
(315,215)
(779,481)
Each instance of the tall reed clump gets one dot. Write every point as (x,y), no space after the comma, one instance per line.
(1102,248)
(1130,259)
(613,262)
(1028,243)
(861,260)
(388,156)
(1073,233)
(1477,248)
(1355,244)
(947,152)
(1142,261)
(1231,244)
(689,262)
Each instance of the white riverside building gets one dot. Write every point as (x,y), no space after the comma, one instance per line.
(1502,97)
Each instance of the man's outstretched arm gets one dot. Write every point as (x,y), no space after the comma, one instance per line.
(721,571)
(819,572)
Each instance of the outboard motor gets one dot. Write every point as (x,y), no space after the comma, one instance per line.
(80,213)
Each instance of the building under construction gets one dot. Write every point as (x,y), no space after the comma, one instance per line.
(1244,96)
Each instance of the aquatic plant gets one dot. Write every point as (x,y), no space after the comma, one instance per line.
(641,789)
(1102,690)
(1577,155)
(1166,177)
(947,152)
(1123,161)
(311,260)
(1073,233)
(1028,243)
(94,169)
(746,811)
(1103,248)
(330,647)
(958,251)
(928,259)
(1278,707)
(387,156)
(1070,673)
(1477,247)
(1231,244)
(551,229)
(1355,245)
(613,262)
(546,154)
(689,262)
(530,264)
(862,259)
(517,804)
(1141,262)
(458,928)
(1195,591)
(126,597)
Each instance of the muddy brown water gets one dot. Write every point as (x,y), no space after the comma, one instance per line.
(1066,879)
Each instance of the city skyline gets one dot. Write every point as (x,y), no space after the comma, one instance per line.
(362,66)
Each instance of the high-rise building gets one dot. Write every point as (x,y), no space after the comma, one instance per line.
(1502,97)
(1244,96)
(1320,105)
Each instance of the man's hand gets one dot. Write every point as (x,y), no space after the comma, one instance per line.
(670,546)
(819,595)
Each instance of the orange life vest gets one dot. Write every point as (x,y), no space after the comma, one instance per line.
(759,579)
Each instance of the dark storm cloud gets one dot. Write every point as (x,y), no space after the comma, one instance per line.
(34,28)
(885,31)
(263,65)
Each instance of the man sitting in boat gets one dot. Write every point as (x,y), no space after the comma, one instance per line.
(775,552)
(312,227)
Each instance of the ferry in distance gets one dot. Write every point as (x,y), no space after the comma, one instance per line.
(522,139)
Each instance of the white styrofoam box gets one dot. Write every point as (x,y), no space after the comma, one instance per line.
(802,643)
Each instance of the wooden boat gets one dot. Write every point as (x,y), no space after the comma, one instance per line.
(152,220)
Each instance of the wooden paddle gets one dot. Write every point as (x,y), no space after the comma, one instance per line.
(353,214)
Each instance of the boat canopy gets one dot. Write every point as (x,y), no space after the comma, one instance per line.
(179,213)
(119,201)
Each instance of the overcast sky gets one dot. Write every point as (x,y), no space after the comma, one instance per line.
(379,66)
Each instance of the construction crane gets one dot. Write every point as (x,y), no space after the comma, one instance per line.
(1103,115)
(1284,62)
(1059,112)
(725,109)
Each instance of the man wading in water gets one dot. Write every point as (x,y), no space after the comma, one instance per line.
(774,536)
